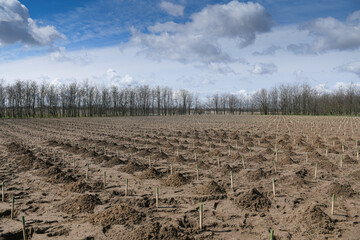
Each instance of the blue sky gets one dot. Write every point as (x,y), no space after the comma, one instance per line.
(206,46)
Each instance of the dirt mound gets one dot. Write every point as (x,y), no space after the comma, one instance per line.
(113,161)
(226,169)
(150,173)
(180,159)
(253,200)
(355,175)
(55,175)
(202,165)
(160,155)
(144,153)
(258,158)
(340,190)
(120,214)
(156,231)
(348,160)
(316,220)
(215,153)
(78,187)
(176,180)
(211,188)
(267,151)
(327,166)
(257,174)
(132,167)
(82,204)
(285,160)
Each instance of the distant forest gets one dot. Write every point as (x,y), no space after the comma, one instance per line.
(24,99)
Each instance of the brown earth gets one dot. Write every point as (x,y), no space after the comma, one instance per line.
(55,170)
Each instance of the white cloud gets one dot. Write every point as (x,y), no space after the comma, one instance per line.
(198,39)
(264,68)
(17,26)
(268,51)
(172,9)
(353,67)
(330,34)
(116,79)
(61,55)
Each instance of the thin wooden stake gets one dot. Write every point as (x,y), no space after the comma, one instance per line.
(218,161)
(23,227)
(12,207)
(326,152)
(275,165)
(3,192)
(316,167)
(273,185)
(197,173)
(332,204)
(201,215)
(231,179)
(271,234)
(126,187)
(149,161)
(87,171)
(104,179)
(242,159)
(341,161)
(157,197)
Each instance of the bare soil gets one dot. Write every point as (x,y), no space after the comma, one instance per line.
(55,170)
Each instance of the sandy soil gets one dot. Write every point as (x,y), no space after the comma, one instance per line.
(45,164)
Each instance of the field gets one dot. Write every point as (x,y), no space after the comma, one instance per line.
(68,177)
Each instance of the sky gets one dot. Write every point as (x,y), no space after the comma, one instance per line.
(205,46)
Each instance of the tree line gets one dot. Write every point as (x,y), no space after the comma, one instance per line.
(23,99)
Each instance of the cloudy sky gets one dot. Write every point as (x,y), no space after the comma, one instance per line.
(205,46)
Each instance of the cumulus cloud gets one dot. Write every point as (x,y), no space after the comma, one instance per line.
(17,26)
(61,55)
(353,67)
(330,34)
(264,68)
(198,39)
(114,78)
(268,51)
(172,9)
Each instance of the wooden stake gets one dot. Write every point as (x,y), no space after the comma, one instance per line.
(357,155)
(12,207)
(157,197)
(149,161)
(332,204)
(275,165)
(104,179)
(326,152)
(197,173)
(23,227)
(87,171)
(242,158)
(201,215)
(229,151)
(341,161)
(271,234)
(126,187)
(3,192)
(273,185)
(316,167)
(218,161)
(231,179)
